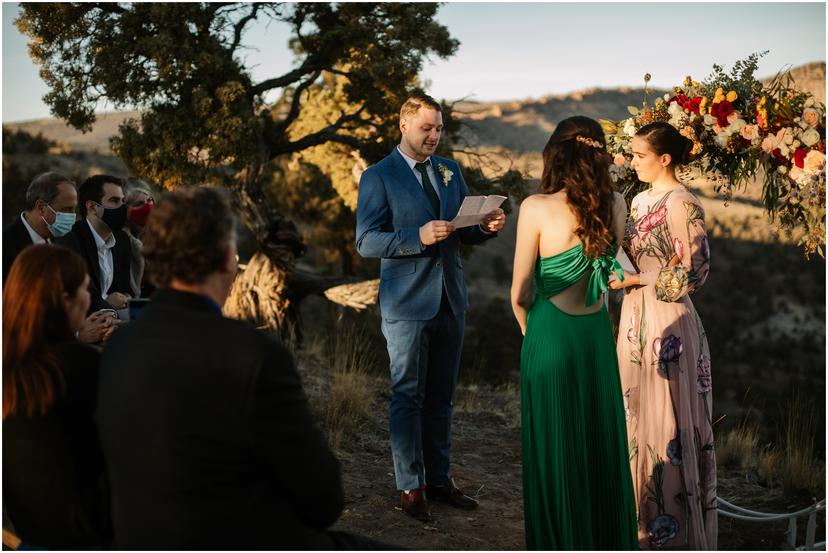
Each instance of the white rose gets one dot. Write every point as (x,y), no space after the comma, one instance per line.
(782,169)
(722,139)
(736,126)
(674,109)
(709,120)
(810,137)
(629,127)
(768,144)
(809,102)
(666,97)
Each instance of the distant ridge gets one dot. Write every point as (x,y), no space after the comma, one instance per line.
(519,125)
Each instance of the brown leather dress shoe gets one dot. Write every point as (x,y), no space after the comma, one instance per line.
(414,504)
(452,495)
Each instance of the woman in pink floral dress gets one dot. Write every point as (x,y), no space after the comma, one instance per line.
(663,354)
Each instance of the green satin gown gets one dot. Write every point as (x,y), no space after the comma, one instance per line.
(577,487)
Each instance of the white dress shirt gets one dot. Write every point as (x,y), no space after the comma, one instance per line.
(36,238)
(429,169)
(105,262)
(431,175)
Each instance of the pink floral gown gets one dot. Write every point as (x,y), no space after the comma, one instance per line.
(664,361)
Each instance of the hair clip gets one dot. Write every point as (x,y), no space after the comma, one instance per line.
(589,141)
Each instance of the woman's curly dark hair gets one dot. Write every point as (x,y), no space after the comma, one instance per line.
(187,235)
(581,167)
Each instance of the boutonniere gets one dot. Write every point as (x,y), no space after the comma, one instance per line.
(445,172)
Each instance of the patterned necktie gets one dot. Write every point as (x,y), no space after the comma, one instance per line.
(429,188)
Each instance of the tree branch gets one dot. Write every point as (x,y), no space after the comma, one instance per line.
(296,101)
(328,134)
(239,27)
(286,79)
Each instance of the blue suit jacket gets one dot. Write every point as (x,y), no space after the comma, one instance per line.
(392,207)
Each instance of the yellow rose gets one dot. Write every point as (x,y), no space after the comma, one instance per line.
(731,96)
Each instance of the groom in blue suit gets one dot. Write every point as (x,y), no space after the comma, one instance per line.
(405,204)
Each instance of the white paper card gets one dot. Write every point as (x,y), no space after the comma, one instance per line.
(475,208)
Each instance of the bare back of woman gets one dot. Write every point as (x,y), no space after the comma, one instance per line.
(554,225)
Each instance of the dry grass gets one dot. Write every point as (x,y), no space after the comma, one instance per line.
(798,466)
(467,399)
(767,466)
(737,448)
(350,396)
(791,462)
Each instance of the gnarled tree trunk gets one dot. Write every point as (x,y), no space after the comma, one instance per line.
(269,289)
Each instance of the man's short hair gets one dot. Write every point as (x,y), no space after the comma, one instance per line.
(44,187)
(187,235)
(92,189)
(417,101)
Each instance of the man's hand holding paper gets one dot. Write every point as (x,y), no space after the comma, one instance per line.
(481,210)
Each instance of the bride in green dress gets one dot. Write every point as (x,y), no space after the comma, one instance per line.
(577,488)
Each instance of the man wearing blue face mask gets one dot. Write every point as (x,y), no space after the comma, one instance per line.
(99,238)
(51,200)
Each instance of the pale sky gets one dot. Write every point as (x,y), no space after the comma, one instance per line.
(522,50)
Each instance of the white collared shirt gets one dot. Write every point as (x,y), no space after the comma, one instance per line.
(105,262)
(429,168)
(36,238)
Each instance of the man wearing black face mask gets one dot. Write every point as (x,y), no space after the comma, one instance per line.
(99,238)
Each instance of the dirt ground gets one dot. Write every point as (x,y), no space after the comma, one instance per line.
(486,465)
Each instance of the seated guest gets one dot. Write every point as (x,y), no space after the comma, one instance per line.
(53,471)
(99,238)
(51,200)
(207,434)
(140,202)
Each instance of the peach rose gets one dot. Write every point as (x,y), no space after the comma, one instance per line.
(733,117)
(619,160)
(815,162)
(750,132)
(794,172)
(811,117)
(768,144)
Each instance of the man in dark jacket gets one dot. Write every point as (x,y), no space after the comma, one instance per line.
(49,213)
(207,434)
(51,200)
(99,238)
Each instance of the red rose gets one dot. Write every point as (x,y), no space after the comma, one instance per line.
(799,157)
(693,104)
(679,98)
(720,111)
(777,154)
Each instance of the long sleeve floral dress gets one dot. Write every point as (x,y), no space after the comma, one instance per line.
(664,361)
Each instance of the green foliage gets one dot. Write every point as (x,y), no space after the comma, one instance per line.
(21,142)
(204,118)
